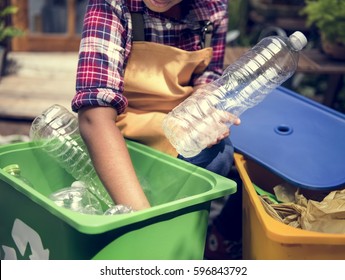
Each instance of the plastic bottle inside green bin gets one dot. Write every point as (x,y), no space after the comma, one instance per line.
(77,198)
(14,170)
(56,129)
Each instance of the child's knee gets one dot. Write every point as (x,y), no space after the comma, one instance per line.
(218,158)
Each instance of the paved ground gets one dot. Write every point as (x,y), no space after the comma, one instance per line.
(35,82)
(10,127)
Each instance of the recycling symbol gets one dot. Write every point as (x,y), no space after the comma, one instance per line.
(23,235)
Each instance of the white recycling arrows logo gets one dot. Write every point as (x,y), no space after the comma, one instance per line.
(23,235)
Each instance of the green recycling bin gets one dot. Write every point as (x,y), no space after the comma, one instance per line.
(34,227)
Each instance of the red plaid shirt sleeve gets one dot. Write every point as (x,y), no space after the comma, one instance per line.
(103,53)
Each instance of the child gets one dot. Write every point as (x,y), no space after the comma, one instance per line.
(138,59)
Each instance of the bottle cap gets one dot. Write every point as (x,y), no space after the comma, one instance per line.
(298,40)
(12,168)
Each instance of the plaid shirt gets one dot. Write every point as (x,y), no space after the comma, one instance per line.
(107,39)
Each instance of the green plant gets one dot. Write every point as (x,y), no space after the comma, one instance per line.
(328,16)
(8,31)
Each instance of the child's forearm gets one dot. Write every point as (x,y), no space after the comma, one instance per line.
(110,156)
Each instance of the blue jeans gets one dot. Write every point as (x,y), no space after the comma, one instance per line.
(218,158)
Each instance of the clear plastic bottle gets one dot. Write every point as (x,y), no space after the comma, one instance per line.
(14,170)
(78,199)
(118,209)
(57,131)
(204,116)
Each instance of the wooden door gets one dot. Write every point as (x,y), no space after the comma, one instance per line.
(49,25)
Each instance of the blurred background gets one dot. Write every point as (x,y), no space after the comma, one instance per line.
(39,41)
(322,78)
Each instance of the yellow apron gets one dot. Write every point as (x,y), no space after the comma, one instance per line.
(156,80)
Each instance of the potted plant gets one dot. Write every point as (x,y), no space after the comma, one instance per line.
(6,32)
(328,16)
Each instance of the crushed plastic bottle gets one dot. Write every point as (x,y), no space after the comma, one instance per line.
(118,209)
(78,199)
(207,114)
(56,129)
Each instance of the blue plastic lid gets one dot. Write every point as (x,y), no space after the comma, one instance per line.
(296,138)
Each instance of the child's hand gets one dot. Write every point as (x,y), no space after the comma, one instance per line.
(235,121)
